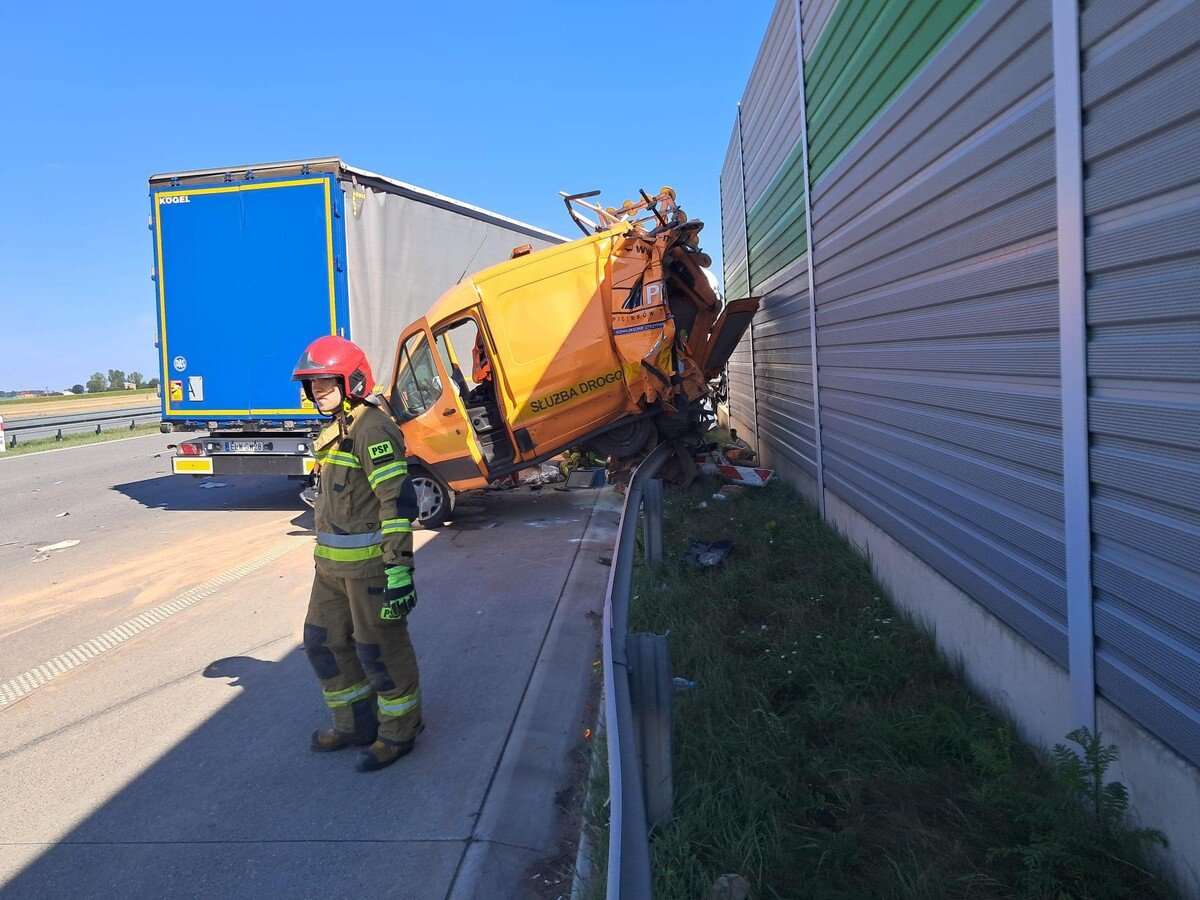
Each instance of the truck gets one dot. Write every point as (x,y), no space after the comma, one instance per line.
(251,263)
(613,343)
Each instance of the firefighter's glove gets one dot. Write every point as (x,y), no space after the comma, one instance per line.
(400,596)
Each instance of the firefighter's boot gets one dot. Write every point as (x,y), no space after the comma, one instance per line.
(327,740)
(383,753)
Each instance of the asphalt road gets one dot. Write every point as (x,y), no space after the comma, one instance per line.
(172,758)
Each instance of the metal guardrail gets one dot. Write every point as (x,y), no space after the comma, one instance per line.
(629,876)
(75,423)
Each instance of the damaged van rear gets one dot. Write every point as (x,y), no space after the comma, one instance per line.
(609,342)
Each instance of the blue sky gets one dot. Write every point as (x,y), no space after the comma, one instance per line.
(499,104)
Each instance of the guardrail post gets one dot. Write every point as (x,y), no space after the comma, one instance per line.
(650,691)
(2,441)
(652,518)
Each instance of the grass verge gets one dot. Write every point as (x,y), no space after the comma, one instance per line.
(829,751)
(12,405)
(76,440)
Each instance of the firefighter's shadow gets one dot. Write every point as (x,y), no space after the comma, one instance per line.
(243,492)
(196,821)
(242,671)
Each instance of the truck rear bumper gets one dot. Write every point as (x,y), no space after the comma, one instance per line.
(238,464)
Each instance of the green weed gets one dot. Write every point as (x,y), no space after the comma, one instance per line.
(829,751)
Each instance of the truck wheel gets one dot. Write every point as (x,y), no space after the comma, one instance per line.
(624,440)
(435,501)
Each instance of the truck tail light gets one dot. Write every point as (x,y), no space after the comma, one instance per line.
(191,448)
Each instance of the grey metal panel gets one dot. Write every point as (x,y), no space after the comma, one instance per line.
(735,269)
(816,14)
(871,498)
(1142,201)
(936,274)
(783,364)
(771,103)
(733,219)
(937,120)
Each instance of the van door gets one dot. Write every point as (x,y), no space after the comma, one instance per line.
(726,332)
(424,397)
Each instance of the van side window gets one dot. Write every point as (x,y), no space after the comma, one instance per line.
(417,383)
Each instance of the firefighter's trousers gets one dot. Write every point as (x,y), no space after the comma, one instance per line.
(366,664)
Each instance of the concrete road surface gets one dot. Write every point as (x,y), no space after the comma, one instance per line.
(169,758)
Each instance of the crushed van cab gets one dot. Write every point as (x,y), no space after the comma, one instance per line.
(608,342)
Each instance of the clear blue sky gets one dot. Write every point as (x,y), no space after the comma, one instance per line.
(499,104)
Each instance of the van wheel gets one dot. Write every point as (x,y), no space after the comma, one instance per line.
(435,501)
(624,440)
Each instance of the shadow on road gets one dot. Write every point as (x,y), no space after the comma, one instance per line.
(241,808)
(270,492)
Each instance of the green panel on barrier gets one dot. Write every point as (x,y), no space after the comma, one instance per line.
(869,51)
(736,286)
(776,222)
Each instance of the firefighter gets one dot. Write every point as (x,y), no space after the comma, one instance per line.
(356,630)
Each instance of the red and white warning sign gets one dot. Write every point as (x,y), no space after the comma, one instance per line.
(747,475)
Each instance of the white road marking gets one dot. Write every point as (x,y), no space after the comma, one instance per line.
(27,682)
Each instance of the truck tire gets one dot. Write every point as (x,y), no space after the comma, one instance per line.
(627,439)
(435,500)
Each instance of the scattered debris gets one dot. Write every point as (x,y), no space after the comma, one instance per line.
(61,515)
(584,478)
(544,474)
(708,554)
(714,462)
(219,484)
(730,887)
(604,560)
(718,496)
(703,505)
(61,545)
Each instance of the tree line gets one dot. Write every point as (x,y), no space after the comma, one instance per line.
(116,381)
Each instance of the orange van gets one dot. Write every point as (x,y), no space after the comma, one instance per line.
(608,342)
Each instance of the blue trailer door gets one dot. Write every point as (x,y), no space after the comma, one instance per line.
(246,279)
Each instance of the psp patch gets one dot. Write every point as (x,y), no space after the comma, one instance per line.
(381,452)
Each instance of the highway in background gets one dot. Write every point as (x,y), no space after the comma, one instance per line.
(172,756)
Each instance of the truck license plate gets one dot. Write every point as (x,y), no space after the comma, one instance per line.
(246,447)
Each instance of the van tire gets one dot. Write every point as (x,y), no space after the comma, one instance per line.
(435,500)
(627,439)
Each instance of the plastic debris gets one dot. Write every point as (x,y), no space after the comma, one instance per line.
(213,484)
(708,554)
(730,887)
(61,514)
(718,496)
(61,545)
(544,474)
(683,684)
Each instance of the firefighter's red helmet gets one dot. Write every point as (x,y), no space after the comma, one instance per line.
(333,356)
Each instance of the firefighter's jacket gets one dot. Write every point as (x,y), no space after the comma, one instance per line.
(366,506)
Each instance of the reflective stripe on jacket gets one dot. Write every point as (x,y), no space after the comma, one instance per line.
(365,506)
